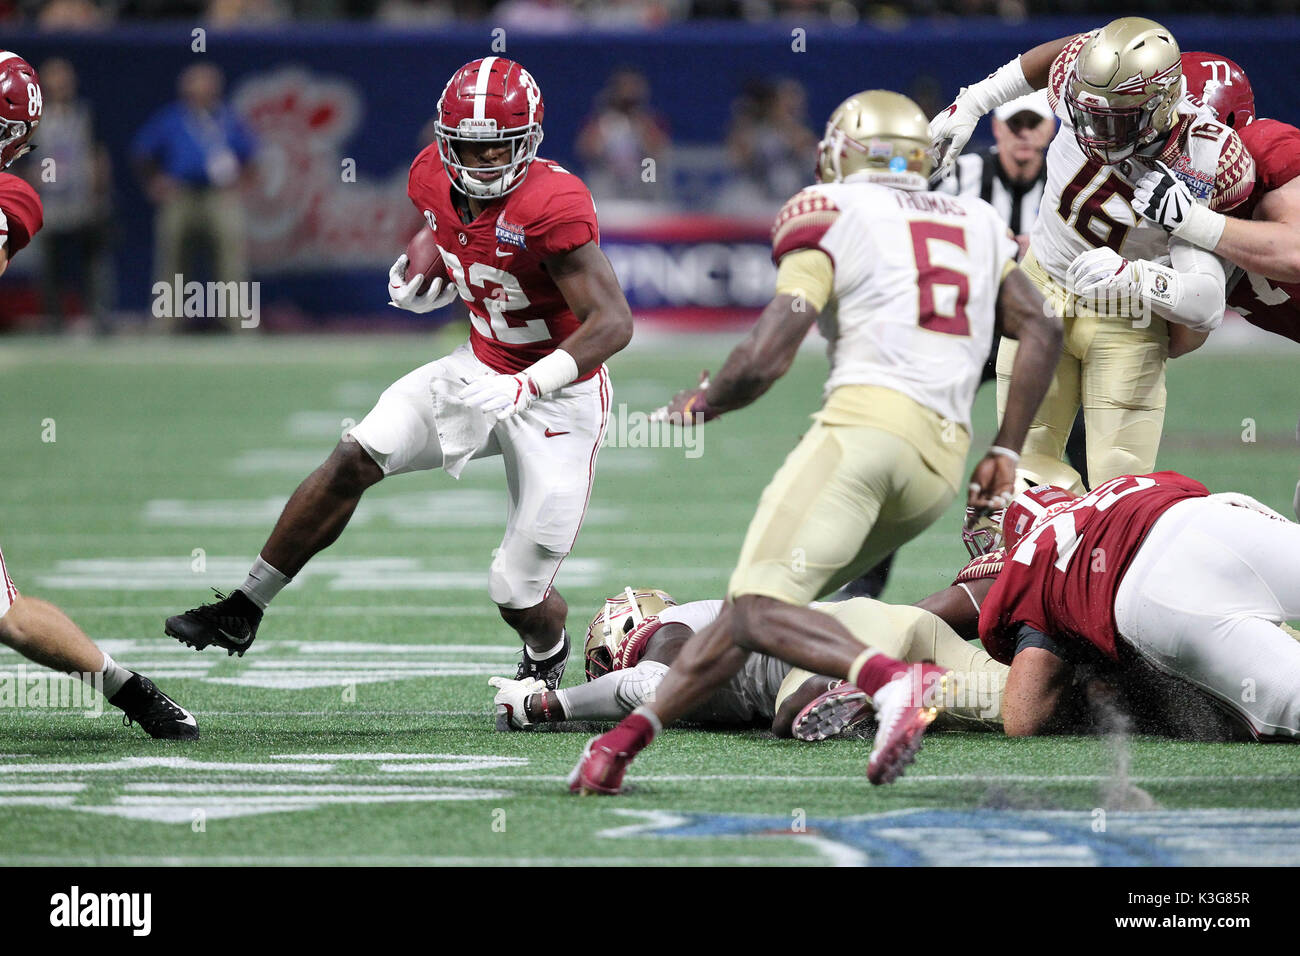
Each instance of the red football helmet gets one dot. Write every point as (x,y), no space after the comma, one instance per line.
(1221,85)
(20,106)
(494,100)
(1030,508)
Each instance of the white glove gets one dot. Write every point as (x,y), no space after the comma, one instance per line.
(402,293)
(1164,199)
(501,395)
(951,130)
(511,695)
(1104,274)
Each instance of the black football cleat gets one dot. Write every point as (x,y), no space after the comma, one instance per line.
(229,622)
(157,714)
(550,671)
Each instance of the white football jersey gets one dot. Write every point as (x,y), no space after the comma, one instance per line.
(915,286)
(1087,205)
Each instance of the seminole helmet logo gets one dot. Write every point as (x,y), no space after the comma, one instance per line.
(1137,83)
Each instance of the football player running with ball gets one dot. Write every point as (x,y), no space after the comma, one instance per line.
(518,239)
(1120,94)
(907,286)
(34,628)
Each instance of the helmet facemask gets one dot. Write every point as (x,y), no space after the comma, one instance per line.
(523,143)
(618,617)
(13,139)
(982,535)
(1107,134)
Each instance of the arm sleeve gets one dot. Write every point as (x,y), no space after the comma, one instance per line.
(1060,72)
(1234,175)
(614,695)
(1027,637)
(808,273)
(1203,278)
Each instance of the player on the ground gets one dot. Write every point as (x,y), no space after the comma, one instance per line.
(636,636)
(907,286)
(34,628)
(1156,568)
(1262,236)
(1120,95)
(519,242)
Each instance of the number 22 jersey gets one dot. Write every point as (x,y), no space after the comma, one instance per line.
(497,261)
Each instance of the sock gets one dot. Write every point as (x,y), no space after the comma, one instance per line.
(549,652)
(872,670)
(634,732)
(263,583)
(113,675)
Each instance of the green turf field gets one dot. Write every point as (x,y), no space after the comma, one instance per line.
(359,728)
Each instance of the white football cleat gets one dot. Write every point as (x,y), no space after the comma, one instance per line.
(901,718)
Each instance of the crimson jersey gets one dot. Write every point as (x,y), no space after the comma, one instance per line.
(1062,577)
(1274,306)
(22,207)
(517,313)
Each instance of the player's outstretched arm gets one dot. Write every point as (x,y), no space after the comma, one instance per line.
(1268,245)
(1021,315)
(1189,291)
(952,128)
(587,281)
(762,357)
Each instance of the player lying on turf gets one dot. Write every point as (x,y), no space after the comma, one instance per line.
(34,628)
(636,636)
(1151,568)
(908,287)
(517,238)
(1118,279)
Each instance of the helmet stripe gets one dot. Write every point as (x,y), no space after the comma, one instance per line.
(481,85)
(5,56)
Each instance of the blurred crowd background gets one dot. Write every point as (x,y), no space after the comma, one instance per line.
(278,152)
(573,14)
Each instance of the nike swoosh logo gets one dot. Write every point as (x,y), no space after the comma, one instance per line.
(503,254)
(551,434)
(226,634)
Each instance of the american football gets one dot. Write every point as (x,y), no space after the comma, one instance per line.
(423,258)
(976,545)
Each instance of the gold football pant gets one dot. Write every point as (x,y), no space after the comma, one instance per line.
(847,496)
(914,635)
(1114,369)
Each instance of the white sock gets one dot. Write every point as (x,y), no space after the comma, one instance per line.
(263,583)
(111,677)
(550,652)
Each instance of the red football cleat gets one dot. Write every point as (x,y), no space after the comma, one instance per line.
(600,769)
(904,708)
(832,712)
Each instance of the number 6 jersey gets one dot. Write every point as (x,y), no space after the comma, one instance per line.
(914,289)
(517,313)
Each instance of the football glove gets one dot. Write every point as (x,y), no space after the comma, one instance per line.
(1102,273)
(951,130)
(404,294)
(1165,200)
(501,395)
(511,695)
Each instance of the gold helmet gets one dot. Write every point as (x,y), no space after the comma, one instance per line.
(1123,92)
(618,617)
(882,134)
